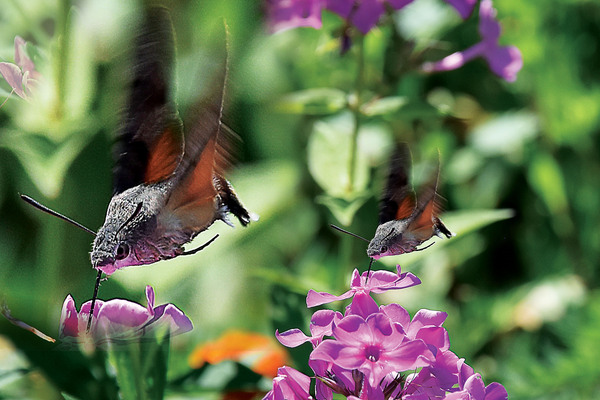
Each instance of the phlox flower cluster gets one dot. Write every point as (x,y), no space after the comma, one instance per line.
(378,352)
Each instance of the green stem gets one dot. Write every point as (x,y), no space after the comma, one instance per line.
(346,245)
(64,35)
(355,106)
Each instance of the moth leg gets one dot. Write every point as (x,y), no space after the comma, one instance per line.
(197,249)
(426,247)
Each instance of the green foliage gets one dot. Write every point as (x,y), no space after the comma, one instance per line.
(519,171)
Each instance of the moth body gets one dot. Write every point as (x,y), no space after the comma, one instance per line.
(405,221)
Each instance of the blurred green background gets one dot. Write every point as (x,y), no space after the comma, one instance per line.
(519,170)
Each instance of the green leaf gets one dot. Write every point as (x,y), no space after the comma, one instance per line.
(329,158)
(343,210)
(141,368)
(67,396)
(546,178)
(505,134)
(383,106)
(319,101)
(45,162)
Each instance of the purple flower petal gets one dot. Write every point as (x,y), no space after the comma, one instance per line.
(23,60)
(504,61)
(120,320)
(13,75)
(340,7)
(288,14)
(397,314)
(475,387)
(495,391)
(150,298)
(168,318)
(398,4)
(69,318)
(289,384)
(362,305)
(292,338)
(314,299)
(464,7)
(429,317)
(367,14)
(435,337)
(322,321)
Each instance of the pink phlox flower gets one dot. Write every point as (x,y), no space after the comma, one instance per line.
(289,384)
(119,320)
(475,389)
(435,380)
(375,347)
(427,326)
(321,325)
(504,61)
(378,282)
(21,76)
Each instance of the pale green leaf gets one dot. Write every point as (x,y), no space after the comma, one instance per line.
(318,101)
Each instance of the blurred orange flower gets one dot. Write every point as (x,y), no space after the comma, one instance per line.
(260,353)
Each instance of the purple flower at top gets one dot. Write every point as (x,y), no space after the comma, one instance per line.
(363,14)
(288,14)
(504,61)
(119,321)
(378,282)
(464,7)
(21,76)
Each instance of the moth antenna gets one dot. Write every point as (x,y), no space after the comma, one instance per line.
(348,233)
(138,208)
(45,209)
(197,249)
(94,297)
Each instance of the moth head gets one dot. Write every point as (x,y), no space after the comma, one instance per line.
(388,240)
(120,241)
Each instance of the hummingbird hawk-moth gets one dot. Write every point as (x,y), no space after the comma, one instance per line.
(405,219)
(167,187)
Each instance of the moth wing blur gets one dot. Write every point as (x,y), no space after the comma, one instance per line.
(425,222)
(398,198)
(199,178)
(150,144)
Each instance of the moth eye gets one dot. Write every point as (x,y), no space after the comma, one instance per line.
(122,251)
(384,249)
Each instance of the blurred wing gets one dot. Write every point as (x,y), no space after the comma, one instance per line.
(150,142)
(398,199)
(428,207)
(204,161)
